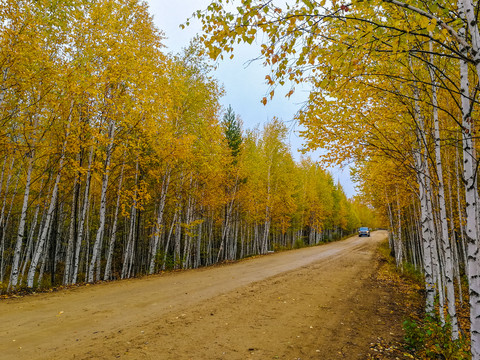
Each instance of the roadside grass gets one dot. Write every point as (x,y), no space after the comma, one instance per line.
(425,337)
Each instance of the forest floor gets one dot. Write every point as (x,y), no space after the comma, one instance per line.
(324,302)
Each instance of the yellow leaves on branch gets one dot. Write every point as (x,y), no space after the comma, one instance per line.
(432,25)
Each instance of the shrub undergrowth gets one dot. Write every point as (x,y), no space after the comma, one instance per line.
(429,339)
(425,336)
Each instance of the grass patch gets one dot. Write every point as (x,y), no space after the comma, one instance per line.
(425,337)
(429,339)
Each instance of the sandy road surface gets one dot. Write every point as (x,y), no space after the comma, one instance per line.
(313,303)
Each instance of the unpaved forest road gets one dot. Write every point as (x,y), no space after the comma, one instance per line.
(312,303)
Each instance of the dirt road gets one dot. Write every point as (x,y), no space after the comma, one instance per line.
(313,303)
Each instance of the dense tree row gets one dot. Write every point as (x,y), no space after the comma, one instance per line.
(394,86)
(116,161)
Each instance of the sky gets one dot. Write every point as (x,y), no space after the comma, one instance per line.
(243,81)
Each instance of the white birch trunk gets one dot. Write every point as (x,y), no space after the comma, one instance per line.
(71,231)
(198,260)
(226,227)
(21,228)
(46,227)
(457,271)
(2,177)
(460,210)
(103,204)
(4,232)
(392,236)
(421,167)
(418,227)
(208,245)
(111,245)
(177,246)
(158,225)
(129,250)
(188,237)
(453,242)
(430,248)
(466,11)
(471,195)
(29,246)
(399,254)
(83,216)
(266,229)
(174,220)
(7,187)
(444,234)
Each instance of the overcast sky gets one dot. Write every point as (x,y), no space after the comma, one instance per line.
(244,84)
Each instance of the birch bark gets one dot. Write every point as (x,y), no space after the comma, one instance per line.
(165,253)
(5,197)
(21,228)
(29,246)
(4,232)
(198,259)
(72,228)
(46,227)
(103,203)
(266,229)
(421,168)
(399,254)
(111,245)
(129,250)
(226,228)
(444,234)
(466,11)
(83,216)
(158,225)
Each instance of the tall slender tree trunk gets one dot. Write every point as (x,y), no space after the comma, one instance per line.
(444,234)
(392,238)
(177,245)
(266,228)
(5,194)
(72,228)
(83,218)
(29,247)
(421,168)
(455,250)
(21,227)
(399,252)
(113,235)
(96,251)
(46,227)
(158,225)
(467,11)
(188,237)
(4,233)
(130,248)
(461,217)
(209,244)
(198,248)
(4,216)
(172,226)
